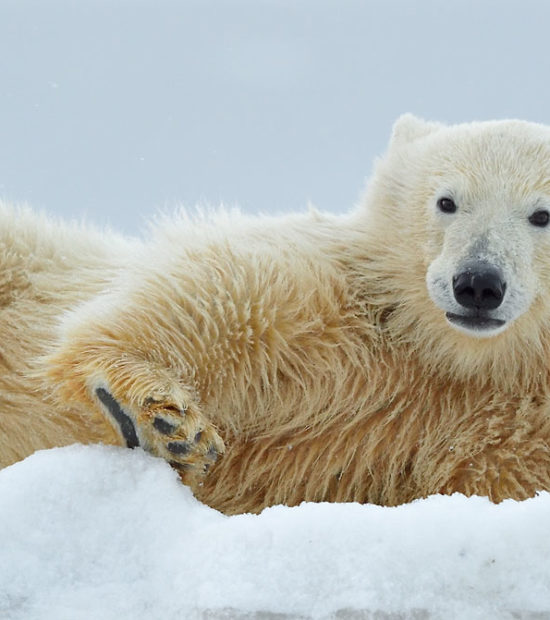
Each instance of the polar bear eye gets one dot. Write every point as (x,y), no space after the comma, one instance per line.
(446,205)
(540,218)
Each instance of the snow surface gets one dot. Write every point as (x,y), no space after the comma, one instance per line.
(105,533)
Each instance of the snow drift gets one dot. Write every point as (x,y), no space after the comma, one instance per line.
(97,532)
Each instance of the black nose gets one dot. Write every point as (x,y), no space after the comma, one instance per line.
(480,286)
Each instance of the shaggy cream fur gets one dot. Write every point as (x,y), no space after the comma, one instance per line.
(277,360)
(46,267)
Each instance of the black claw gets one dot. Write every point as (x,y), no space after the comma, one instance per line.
(123,420)
(181,466)
(163,426)
(212,454)
(179,447)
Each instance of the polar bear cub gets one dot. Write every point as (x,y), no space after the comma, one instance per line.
(398,351)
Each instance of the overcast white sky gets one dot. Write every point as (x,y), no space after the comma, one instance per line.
(111,109)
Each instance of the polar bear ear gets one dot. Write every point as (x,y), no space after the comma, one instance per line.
(409,127)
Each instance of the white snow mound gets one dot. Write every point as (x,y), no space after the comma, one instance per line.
(106,533)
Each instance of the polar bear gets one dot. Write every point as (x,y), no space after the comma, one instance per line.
(395,352)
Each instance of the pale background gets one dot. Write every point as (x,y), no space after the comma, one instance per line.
(110,110)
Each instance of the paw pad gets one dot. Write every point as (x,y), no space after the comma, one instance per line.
(120,416)
(163,426)
(180,448)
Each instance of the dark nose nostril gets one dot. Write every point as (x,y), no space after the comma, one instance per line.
(479,286)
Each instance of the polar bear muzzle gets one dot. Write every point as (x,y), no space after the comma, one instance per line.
(478,288)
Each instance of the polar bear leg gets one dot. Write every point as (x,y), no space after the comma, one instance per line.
(145,404)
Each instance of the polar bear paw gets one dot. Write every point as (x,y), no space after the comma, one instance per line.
(175,432)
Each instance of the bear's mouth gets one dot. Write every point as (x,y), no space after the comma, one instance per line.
(478,322)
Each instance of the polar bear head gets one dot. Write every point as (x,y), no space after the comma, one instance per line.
(468,207)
